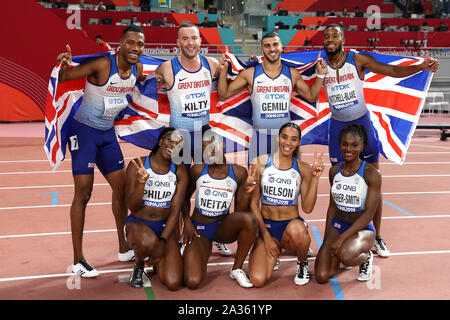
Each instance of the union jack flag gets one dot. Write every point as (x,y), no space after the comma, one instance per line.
(395,105)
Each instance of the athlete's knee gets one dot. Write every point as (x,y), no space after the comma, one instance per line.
(299,235)
(172,283)
(193,281)
(83,195)
(348,257)
(321,276)
(257,279)
(250,222)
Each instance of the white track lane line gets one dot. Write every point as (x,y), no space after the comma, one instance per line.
(243,155)
(326,178)
(216,264)
(319,195)
(327,164)
(114,230)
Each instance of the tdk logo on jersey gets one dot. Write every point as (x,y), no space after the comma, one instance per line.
(196,95)
(115,100)
(274,96)
(340,87)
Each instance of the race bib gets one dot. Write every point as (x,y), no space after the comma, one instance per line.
(113,106)
(158,194)
(342,96)
(347,196)
(275,105)
(213,201)
(195,104)
(279,191)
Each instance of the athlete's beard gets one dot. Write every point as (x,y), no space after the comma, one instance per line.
(267,58)
(187,54)
(335,52)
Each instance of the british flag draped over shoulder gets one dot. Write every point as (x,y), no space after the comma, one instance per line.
(395,105)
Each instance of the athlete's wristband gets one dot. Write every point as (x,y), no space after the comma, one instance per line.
(320,76)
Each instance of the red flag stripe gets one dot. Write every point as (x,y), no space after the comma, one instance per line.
(310,121)
(378,77)
(228,129)
(241,96)
(392,99)
(391,141)
(144,110)
(303,107)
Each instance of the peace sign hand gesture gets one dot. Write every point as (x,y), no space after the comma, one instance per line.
(318,166)
(141,173)
(250,183)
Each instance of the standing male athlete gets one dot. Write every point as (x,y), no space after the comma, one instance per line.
(188,79)
(270,85)
(346,69)
(92,137)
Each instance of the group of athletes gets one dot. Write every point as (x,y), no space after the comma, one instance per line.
(162,230)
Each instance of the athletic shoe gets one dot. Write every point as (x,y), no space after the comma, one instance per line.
(223,250)
(241,277)
(127,256)
(302,274)
(277,265)
(137,279)
(84,269)
(381,247)
(365,269)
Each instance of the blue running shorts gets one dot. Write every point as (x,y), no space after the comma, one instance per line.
(371,152)
(90,147)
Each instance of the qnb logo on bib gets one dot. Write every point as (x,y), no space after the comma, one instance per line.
(195,104)
(275,105)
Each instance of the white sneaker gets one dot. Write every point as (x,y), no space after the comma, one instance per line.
(365,269)
(302,275)
(223,249)
(241,277)
(127,256)
(84,269)
(381,247)
(277,265)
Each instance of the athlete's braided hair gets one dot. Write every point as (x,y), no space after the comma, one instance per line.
(163,133)
(355,129)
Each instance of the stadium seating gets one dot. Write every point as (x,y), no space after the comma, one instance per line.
(324,5)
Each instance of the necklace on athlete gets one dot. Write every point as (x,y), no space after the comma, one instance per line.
(336,67)
(350,171)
